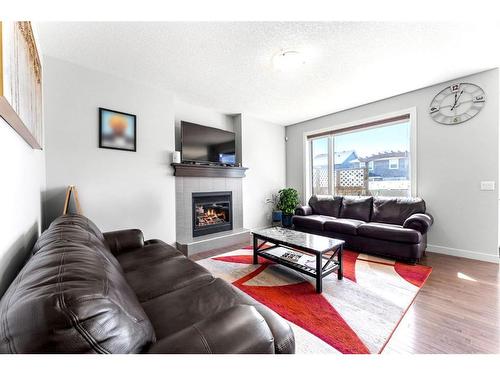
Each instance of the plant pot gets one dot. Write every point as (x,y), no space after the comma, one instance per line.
(286,220)
(277,216)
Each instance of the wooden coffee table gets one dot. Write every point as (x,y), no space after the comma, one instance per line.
(292,240)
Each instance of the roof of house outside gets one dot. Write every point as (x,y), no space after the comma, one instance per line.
(340,158)
(385,155)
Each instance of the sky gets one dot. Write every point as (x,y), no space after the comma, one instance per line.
(371,141)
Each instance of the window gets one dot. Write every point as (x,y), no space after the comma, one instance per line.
(368,159)
(393,163)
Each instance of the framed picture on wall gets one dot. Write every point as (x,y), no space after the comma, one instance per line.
(21,81)
(117,130)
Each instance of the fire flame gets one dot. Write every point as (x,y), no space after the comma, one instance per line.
(211,216)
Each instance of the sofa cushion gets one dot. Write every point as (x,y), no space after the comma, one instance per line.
(73,229)
(389,232)
(345,226)
(314,222)
(150,253)
(327,205)
(216,333)
(358,208)
(184,307)
(70,298)
(172,312)
(164,276)
(396,210)
(80,221)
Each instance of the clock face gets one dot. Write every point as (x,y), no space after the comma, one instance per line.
(457,103)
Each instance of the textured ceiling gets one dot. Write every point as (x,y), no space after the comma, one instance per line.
(228,66)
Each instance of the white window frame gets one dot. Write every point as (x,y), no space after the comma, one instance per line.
(412,112)
(330,165)
(393,160)
(371,165)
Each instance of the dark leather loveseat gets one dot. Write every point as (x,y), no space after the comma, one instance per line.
(385,226)
(85,292)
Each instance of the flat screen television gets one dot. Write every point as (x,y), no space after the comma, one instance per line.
(203,144)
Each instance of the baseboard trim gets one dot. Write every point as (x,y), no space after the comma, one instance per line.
(463,253)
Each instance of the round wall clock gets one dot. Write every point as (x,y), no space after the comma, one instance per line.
(457,103)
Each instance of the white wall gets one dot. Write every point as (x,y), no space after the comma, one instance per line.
(263,152)
(22,185)
(117,189)
(451,162)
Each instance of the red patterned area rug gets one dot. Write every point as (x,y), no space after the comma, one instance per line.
(355,315)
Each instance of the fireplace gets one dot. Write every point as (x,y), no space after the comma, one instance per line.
(212,212)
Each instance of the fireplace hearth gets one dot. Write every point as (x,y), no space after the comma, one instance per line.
(212,212)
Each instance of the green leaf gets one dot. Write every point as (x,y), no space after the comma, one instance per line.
(288,200)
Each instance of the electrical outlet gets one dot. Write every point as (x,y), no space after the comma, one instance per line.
(488,185)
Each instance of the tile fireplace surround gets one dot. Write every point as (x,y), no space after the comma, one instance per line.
(184,189)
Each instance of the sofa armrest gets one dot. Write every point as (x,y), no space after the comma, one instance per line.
(121,241)
(419,222)
(239,329)
(303,210)
(284,339)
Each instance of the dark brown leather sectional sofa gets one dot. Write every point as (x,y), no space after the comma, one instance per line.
(390,227)
(87,292)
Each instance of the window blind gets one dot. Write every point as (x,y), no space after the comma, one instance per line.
(361,126)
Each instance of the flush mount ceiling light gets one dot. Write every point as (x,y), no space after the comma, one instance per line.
(287,61)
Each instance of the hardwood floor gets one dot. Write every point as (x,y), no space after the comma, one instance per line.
(457,311)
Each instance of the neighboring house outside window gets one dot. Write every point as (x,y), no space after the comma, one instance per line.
(393,163)
(388,165)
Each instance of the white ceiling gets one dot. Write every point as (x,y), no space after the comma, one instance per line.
(228,66)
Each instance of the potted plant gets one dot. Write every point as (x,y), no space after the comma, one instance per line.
(287,202)
(276,214)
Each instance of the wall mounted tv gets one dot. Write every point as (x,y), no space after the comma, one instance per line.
(203,144)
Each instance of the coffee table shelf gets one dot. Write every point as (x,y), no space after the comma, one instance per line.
(307,243)
(294,265)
